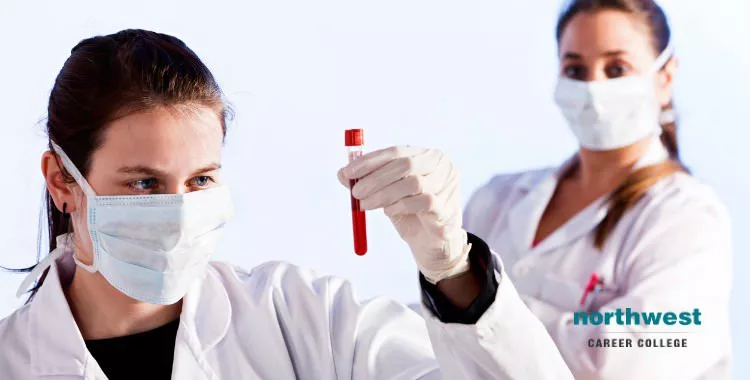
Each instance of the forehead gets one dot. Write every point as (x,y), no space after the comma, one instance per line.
(164,137)
(606,30)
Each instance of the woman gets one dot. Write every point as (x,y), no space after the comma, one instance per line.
(135,204)
(621,224)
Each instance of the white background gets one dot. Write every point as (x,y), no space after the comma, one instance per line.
(473,78)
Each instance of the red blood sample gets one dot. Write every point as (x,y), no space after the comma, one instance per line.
(354,140)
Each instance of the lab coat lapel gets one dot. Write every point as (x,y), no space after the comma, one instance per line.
(579,225)
(204,321)
(525,216)
(59,349)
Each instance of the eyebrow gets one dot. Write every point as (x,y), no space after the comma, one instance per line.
(209,168)
(611,53)
(572,56)
(614,53)
(139,169)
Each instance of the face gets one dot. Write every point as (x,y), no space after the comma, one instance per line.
(610,44)
(161,151)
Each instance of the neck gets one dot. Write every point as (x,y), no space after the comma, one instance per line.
(607,169)
(101,311)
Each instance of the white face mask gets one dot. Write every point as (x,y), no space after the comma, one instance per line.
(152,247)
(614,113)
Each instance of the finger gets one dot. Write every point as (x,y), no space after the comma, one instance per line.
(392,193)
(444,205)
(372,161)
(450,181)
(450,216)
(447,198)
(408,186)
(439,220)
(398,169)
(342,178)
(421,203)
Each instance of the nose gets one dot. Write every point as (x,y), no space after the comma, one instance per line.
(597,72)
(175,187)
(597,76)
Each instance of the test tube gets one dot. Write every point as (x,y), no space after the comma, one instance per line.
(354,141)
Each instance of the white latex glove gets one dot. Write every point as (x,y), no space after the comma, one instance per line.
(419,191)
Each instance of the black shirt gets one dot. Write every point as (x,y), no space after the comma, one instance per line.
(147,355)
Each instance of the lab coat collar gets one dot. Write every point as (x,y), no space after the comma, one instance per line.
(57,345)
(524,217)
(59,349)
(207,311)
(205,320)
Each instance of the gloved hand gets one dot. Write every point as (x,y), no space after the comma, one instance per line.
(419,191)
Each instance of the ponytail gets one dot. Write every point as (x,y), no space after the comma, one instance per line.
(669,133)
(635,186)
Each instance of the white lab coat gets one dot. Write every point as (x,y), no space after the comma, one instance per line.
(671,252)
(282,322)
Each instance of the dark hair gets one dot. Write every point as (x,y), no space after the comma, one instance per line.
(110,77)
(634,187)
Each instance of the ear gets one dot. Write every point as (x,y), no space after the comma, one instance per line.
(61,192)
(665,85)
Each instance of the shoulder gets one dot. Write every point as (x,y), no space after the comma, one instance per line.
(681,219)
(291,295)
(290,287)
(680,231)
(681,197)
(14,336)
(281,281)
(15,321)
(272,274)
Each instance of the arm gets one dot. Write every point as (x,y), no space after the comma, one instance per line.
(381,339)
(495,337)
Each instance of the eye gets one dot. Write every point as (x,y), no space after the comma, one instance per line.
(577,72)
(616,70)
(144,184)
(201,181)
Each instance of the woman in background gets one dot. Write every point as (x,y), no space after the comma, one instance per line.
(622,224)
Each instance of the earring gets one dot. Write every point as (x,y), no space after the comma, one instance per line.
(65,209)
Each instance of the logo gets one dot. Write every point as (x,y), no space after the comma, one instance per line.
(628,317)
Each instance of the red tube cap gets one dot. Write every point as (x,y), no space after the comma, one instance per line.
(354,137)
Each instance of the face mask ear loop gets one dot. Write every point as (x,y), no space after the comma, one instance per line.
(665,116)
(62,247)
(86,267)
(663,58)
(73,170)
(60,250)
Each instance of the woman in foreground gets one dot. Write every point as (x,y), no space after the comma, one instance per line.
(135,204)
